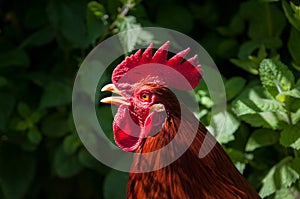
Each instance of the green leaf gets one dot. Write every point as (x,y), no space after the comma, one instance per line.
(65,165)
(282,175)
(269,186)
(267,20)
(260,112)
(34,136)
(234,86)
(203,97)
(36,116)
(263,119)
(96,8)
(71,144)
(87,160)
(285,176)
(39,38)
(235,27)
(292,93)
(247,65)
(17,171)
(7,104)
(275,76)
(115,179)
(24,110)
(23,125)
(295,164)
(284,95)
(3,81)
(261,138)
(238,158)
(165,17)
(295,116)
(290,136)
(68,18)
(128,38)
(224,131)
(292,13)
(16,57)
(94,23)
(248,106)
(284,193)
(293,45)
(56,94)
(249,47)
(55,125)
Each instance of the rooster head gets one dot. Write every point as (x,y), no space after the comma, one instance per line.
(141,82)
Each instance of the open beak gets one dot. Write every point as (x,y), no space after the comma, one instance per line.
(117,100)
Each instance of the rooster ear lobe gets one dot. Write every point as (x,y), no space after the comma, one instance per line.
(155,120)
(157,108)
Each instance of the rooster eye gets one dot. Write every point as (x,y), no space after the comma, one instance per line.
(145,97)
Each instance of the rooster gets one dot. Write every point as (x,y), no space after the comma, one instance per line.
(150,117)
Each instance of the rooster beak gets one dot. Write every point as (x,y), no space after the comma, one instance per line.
(117,100)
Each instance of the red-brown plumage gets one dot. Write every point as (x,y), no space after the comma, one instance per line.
(189,177)
(150,116)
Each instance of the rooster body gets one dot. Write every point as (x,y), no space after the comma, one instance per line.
(149,118)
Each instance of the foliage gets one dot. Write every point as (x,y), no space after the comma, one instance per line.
(254,43)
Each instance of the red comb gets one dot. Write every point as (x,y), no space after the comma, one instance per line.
(173,72)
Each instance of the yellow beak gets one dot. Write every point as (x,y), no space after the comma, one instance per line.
(117,100)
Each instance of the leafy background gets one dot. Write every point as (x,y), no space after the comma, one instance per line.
(255,43)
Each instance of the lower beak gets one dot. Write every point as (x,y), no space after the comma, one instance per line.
(117,100)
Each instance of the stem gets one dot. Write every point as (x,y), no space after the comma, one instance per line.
(123,12)
(297,153)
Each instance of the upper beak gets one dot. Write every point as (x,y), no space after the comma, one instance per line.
(118,100)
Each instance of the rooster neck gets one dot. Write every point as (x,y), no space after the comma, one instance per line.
(213,176)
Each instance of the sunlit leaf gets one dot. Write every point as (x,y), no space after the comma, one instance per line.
(260,112)
(284,193)
(223,131)
(275,76)
(269,186)
(130,31)
(282,175)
